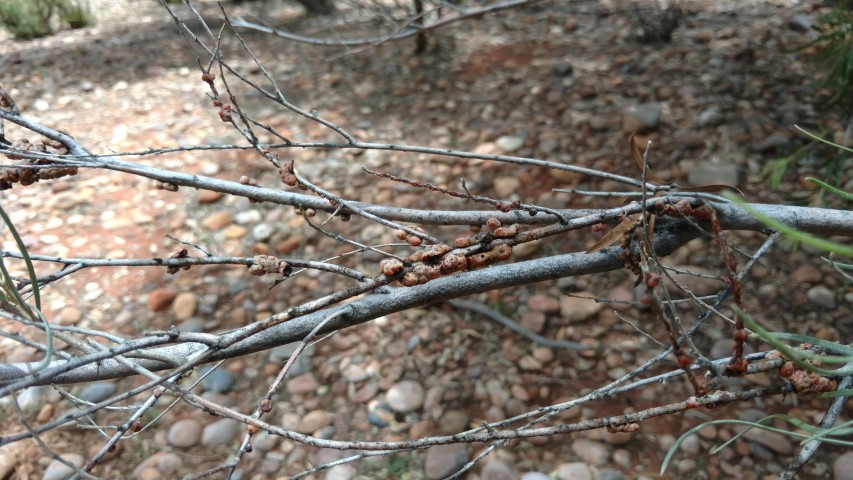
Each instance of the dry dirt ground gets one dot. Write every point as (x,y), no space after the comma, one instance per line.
(559,81)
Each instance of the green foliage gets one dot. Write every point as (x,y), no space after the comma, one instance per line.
(39,18)
(837,354)
(793,233)
(399,465)
(801,358)
(836,55)
(26,18)
(75,13)
(836,165)
(838,435)
(11,295)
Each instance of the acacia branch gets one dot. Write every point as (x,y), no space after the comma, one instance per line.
(363,310)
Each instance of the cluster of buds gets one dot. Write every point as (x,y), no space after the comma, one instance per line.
(508,207)
(264,264)
(287,175)
(412,240)
(500,253)
(390,267)
(24,145)
(803,381)
(682,208)
(420,274)
(496,230)
(632,260)
(435,261)
(173,269)
(429,254)
(244,180)
(28,176)
(30,171)
(169,187)
(224,109)
(624,428)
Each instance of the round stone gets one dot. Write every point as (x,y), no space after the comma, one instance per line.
(590,451)
(342,472)
(184,433)
(217,221)
(405,396)
(509,143)
(95,392)
(379,413)
(209,196)
(184,306)
(822,297)
(57,470)
(262,232)
(574,471)
(497,470)
(315,420)
(305,383)
(842,468)
(220,432)
(535,476)
(160,299)
(219,381)
(445,460)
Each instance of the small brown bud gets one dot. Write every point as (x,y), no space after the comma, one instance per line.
(413,240)
(503,252)
(390,267)
(409,280)
(288,179)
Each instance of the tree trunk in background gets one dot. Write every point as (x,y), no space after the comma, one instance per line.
(319,7)
(421,41)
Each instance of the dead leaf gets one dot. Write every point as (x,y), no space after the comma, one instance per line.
(615,234)
(637,155)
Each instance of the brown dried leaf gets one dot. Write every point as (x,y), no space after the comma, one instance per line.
(615,234)
(637,155)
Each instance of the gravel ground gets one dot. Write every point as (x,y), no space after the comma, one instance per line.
(562,81)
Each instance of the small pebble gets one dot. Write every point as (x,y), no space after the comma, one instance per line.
(219,381)
(822,297)
(574,471)
(95,392)
(57,470)
(445,460)
(314,420)
(220,432)
(509,143)
(184,433)
(379,413)
(842,468)
(160,299)
(405,396)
